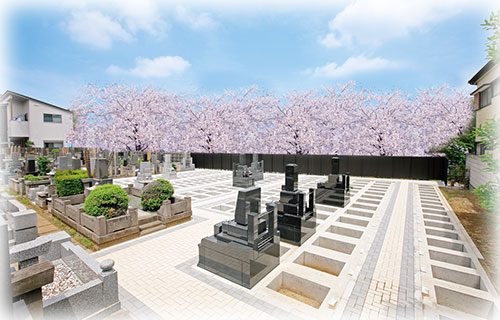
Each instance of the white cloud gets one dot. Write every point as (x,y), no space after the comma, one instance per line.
(193,20)
(159,67)
(372,23)
(352,66)
(95,29)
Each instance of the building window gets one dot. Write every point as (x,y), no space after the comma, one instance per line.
(485,98)
(53,144)
(47,117)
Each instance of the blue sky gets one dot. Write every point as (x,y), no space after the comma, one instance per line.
(51,50)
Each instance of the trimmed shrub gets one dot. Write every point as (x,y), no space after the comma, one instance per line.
(155,193)
(31,177)
(108,200)
(68,182)
(43,165)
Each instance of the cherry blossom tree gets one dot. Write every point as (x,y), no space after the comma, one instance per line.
(119,118)
(337,120)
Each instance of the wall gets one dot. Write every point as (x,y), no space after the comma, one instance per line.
(426,168)
(492,110)
(478,176)
(46,131)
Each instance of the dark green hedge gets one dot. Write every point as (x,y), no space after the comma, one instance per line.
(155,193)
(68,182)
(107,200)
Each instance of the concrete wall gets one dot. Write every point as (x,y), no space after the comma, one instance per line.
(47,131)
(478,176)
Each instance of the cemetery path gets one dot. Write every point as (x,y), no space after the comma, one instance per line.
(396,251)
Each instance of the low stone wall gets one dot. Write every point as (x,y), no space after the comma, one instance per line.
(98,229)
(97,297)
(175,209)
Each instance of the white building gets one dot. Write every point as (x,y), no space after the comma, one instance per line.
(24,118)
(486,106)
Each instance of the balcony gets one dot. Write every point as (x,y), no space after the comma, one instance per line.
(19,129)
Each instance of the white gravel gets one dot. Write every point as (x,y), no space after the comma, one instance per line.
(64,280)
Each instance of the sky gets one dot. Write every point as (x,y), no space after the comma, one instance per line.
(50,50)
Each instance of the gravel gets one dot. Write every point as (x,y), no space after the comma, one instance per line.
(64,280)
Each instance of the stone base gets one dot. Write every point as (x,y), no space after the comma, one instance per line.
(332,197)
(140,184)
(99,182)
(237,263)
(243,182)
(296,230)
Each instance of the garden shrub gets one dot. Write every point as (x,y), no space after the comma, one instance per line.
(68,182)
(43,165)
(31,177)
(155,193)
(107,200)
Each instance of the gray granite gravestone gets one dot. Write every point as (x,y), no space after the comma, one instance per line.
(101,173)
(257,167)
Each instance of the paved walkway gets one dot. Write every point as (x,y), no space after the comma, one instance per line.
(396,251)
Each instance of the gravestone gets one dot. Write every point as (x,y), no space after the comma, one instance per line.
(187,162)
(246,249)
(101,173)
(76,164)
(168,172)
(257,167)
(296,211)
(335,191)
(62,163)
(145,176)
(31,164)
(92,165)
(242,175)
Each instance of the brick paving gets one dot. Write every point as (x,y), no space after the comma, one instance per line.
(387,275)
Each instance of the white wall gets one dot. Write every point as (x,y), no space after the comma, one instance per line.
(47,131)
(478,176)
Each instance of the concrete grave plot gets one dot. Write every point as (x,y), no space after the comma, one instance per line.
(456,285)
(386,255)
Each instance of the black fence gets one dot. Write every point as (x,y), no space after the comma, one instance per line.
(420,168)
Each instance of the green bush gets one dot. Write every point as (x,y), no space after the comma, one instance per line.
(68,182)
(489,196)
(31,177)
(155,193)
(107,200)
(43,165)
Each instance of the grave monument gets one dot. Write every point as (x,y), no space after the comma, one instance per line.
(242,175)
(245,249)
(296,211)
(335,191)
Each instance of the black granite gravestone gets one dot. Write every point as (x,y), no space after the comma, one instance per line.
(335,191)
(296,211)
(242,175)
(245,249)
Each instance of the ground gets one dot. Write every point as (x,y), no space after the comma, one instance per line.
(482,226)
(408,257)
(398,250)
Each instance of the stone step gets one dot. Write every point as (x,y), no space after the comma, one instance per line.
(151,230)
(147,219)
(149,225)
